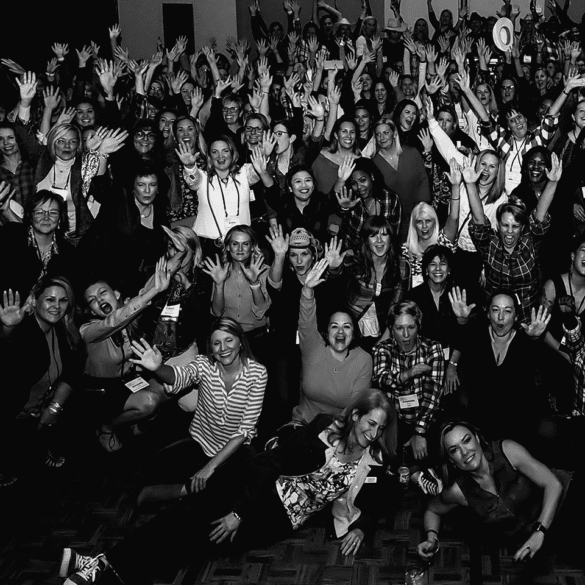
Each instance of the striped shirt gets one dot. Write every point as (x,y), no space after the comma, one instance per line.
(220,415)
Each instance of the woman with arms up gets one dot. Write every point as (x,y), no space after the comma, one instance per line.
(321,466)
(511,494)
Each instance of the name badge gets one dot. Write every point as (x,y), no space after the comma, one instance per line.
(136,384)
(514,177)
(417,279)
(371,479)
(378,289)
(231,221)
(297,340)
(171,311)
(408,401)
(446,352)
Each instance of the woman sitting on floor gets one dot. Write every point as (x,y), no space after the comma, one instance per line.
(325,462)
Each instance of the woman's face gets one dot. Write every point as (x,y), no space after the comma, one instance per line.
(52,305)
(361,183)
(407,86)
(101,299)
(368,427)
(380,93)
(579,115)
(144,141)
(407,117)
(187,133)
(488,167)
(507,90)
(231,112)
(384,136)
(367,81)
(240,247)
(302,186)
(446,18)
(540,79)
(405,332)
(85,115)
(425,226)
(463,448)
(340,332)
(45,217)
(363,120)
(346,135)
(221,155)
(283,138)
(446,122)
(186,92)
(438,270)
(8,144)
(165,123)
(544,107)
(502,315)
(145,189)
(253,132)
(536,167)
(379,244)
(66,146)
(156,90)
(421,29)
(510,230)
(301,260)
(225,347)
(311,31)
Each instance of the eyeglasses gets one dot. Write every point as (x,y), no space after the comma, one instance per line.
(507,88)
(145,136)
(63,142)
(41,213)
(230,110)
(254,129)
(279,133)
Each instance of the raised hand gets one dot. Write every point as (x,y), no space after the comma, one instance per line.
(556,170)
(454,175)
(332,253)
(156,60)
(334,94)
(121,54)
(429,108)
(113,141)
(162,275)
(11,313)
(115,31)
(255,269)
(150,358)
(186,155)
(539,321)
(258,160)
(52,66)
(462,79)
(178,81)
(262,47)
(316,109)
(458,298)
(470,175)
(95,48)
(83,55)
(93,142)
(107,76)
(426,139)
(268,142)
(216,270)
(51,97)
(346,199)
(60,50)
(346,168)
(314,276)
(27,88)
(66,116)
(394,78)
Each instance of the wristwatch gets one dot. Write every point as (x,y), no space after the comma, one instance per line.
(539,527)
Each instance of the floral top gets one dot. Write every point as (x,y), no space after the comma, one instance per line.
(304,495)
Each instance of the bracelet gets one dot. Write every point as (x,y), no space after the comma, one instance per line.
(434,532)
(319,119)
(566,93)
(539,527)
(236,516)
(55,408)
(453,363)
(257,285)
(419,433)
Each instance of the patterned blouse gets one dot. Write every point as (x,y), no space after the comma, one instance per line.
(304,495)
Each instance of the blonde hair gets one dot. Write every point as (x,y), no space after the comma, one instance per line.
(59,131)
(412,240)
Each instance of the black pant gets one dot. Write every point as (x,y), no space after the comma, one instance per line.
(180,536)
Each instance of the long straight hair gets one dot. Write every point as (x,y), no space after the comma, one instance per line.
(497,188)
(412,240)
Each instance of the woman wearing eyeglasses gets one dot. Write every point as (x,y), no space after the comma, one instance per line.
(37,246)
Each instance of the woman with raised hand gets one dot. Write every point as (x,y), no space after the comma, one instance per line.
(239,286)
(510,254)
(335,370)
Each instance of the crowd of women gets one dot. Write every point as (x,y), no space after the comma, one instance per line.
(336,242)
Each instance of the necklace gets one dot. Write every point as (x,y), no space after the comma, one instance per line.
(144,215)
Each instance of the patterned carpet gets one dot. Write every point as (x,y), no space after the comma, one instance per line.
(88,504)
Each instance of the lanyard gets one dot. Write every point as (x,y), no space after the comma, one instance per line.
(518,152)
(224,205)
(67,181)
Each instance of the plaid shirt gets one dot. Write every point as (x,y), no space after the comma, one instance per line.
(518,271)
(503,141)
(22,181)
(576,346)
(390,361)
(354,219)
